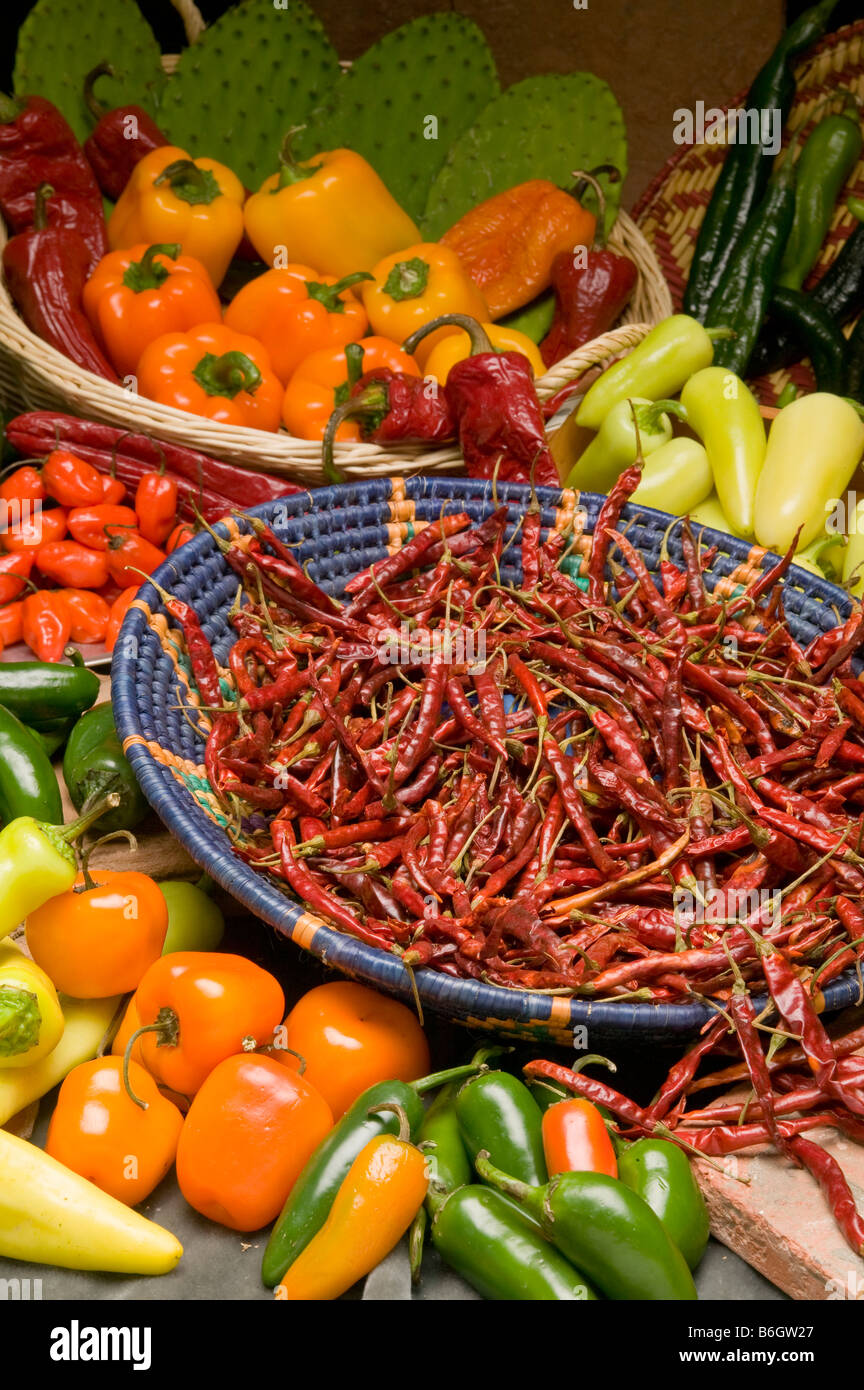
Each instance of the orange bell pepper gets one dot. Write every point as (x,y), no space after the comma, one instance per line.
(98,1131)
(576,1140)
(324,379)
(170,198)
(199,1007)
(350,1038)
(249,1133)
(415,286)
(455,346)
(294,312)
(137,294)
(507,244)
(382,1193)
(215,372)
(100,937)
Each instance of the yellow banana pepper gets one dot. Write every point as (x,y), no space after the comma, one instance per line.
(676,477)
(31,1019)
(86,1022)
(172,198)
(814,446)
(455,346)
(332,212)
(50,1215)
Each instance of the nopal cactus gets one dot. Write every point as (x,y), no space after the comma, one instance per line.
(249,77)
(544,127)
(60,41)
(403,103)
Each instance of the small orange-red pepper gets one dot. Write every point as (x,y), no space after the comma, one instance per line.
(88,615)
(14,573)
(11,619)
(214,372)
(249,1132)
(97,1130)
(156,505)
(70,480)
(23,485)
(576,1140)
(71,564)
(94,526)
(37,529)
(129,554)
(119,609)
(179,536)
(323,381)
(46,628)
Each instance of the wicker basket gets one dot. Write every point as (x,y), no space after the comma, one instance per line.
(671,209)
(336,532)
(34,376)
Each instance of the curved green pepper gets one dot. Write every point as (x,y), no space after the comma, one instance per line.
(447,1159)
(830,153)
(52,740)
(662,1176)
(607,1230)
(658,367)
(28,785)
(94,763)
(616,444)
(312,1195)
(497,1113)
(487,1240)
(40,692)
(725,414)
(676,477)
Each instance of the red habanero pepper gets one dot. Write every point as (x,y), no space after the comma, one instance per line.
(591,291)
(120,139)
(156,506)
(72,565)
(46,626)
(38,146)
(113,490)
(393,408)
(92,526)
(130,556)
(495,408)
(70,480)
(179,536)
(10,622)
(46,267)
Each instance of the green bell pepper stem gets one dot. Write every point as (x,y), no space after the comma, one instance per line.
(476,332)
(189,183)
(724,413)
(149,274)
(605,1229)
(329,295)
(487,1239)
(290,172)
(660,1173)
(497,1112)
(656,369)
(227,375)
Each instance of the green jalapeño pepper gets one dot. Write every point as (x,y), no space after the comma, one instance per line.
(662,1176)
(657,368)
(724,413)
(487,1240)
(441,1141)
(312,1195)
(497,1113)
(41,692)
(28,785)
(94,763)
(829,155)
(607,1230)
(632,425)
(36,863)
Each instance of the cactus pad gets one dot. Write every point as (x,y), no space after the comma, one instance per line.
(254,73)
(60,41)
(544,127)
(405,101)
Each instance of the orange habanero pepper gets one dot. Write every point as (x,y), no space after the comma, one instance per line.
(101,936)
(98,1131)
(46,627)
(11,622)
(14,573)
(248,1135)
(129,554)
(294,312)
(94,526)
(136,295)
(119,608)
(88,615)
(576,1140)
(70,480)
(38,529)
(324,380)
(156,505)
(23,485)
(199,1007)
(71,564)
(179,536)
(214,372)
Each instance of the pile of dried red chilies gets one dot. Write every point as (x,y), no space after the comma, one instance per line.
(637,793)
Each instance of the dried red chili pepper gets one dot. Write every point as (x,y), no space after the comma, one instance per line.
(121,138)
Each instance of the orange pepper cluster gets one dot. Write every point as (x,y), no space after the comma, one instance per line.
(75,550)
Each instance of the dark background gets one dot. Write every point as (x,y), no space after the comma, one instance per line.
(657,55)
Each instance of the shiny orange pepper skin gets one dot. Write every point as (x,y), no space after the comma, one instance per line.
(11,622)
(249,1133)
(14,573)
(128,555)
(46,627)
(94,526)
(213,1005)
(88,615)
(38,529)
(508,243)
(293,311)
(576,1140)
(24,485)
(73,565)
(179,536)
(156,506)
(70,480)
(382,1193)
(97,1130)
(113,491)
(119,609)
(320,383)
(415,286)
(350,1038)
(214,372)
(137,294)
(100,938)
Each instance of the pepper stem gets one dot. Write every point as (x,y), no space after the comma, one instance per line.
(40,207)
(167,1025)
(404,1126)
(290,171)
(592,1059)
(440,1078)
(476,332)
(329,295)
(227,375)
(522,1192)
(76,828)
(103,839)
(97,108)
(149,274)
(581,176)
(189,183)
(372,402)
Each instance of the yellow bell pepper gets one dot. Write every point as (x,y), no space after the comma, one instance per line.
(86,1022)
(455,346)
(50,1215)
(196,203)
(31,1019)
(416,285)
(332,212)
(814,446)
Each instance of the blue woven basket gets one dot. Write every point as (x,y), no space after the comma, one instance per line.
(336,532)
